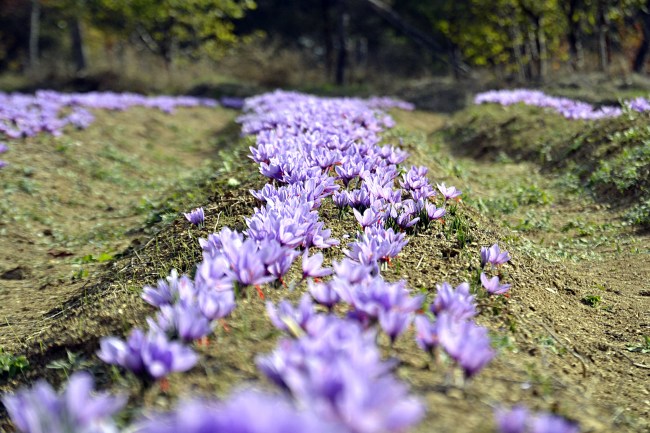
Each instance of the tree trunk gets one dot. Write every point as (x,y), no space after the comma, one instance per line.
(573,36)
(541,50)
(78,49)
(328,38)
(34,32)
(603,37)
(342,57)
(517,50)
(642,52)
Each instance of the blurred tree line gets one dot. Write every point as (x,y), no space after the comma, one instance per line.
(523,39)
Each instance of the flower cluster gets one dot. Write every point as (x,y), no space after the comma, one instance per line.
(566,107)
(46,111)
(335,368)
(454,330)
(187,312)
(41,410)
(329,367)
(245,412)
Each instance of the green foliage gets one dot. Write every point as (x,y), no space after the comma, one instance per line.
(627,169)
(457,225)
(591,300)
(169,28)
(639,214)
(72,362)
(641,348)
(513,197)
(10,365)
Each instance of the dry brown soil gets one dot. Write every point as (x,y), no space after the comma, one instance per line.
(555,352)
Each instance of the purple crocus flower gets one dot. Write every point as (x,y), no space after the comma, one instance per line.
(184,321)
(511,421)
(394,323)
(369,217)
(548,423)
(247,265)
(493,286)
(3,147)
(352,271)
(459,303)
(245,412)
(493,255)
(216,304)
(196,216)
(520,420)
(288,319)
(41,410)
(170,291)
(324,294)
(337,370)
(150,354)
(433,212)
(311,266)
(281,265)
(127,354)
(341,199)
(465,342)
(426,335)
(448,192)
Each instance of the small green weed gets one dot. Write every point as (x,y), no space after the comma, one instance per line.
(457,225)
(592,300)
(642,347)
(639,213)
(11,365)
(73,362)
(89,258)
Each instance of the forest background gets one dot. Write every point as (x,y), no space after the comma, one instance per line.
(243,46)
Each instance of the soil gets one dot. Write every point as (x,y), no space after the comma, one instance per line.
(70,203)
(579,300)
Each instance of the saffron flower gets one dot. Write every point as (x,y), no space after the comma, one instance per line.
(369,217)
(196,216)
(465,342)
(311,266)
(216,304)
(150,355)
(288,319)
(513,420)
(170,291)
(394,323)
(493,286)
(247,411)
(448,192)
(41,410)
(434,212)
(494,256)
(426,335)
(324,294)
(184,321)
(520,420)
(458,303)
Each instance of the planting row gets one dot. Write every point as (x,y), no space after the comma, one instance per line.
(328,368)
(566,107)
(49,112)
